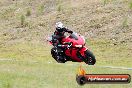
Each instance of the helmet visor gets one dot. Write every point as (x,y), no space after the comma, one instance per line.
(59,29)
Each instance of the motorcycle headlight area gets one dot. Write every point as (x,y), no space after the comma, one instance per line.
(78,46)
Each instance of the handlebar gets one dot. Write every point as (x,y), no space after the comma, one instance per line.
(67,45)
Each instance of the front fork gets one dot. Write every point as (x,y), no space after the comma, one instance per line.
(82,51)
(81,54)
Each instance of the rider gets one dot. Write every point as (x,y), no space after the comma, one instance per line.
(59,34)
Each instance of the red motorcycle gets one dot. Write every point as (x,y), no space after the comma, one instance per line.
(74,50)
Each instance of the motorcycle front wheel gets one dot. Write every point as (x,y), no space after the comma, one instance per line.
(89,58)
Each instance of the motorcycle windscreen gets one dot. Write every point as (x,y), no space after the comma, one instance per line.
(75,39)
(74,36)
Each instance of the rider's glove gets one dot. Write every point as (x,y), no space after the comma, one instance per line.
(67,30)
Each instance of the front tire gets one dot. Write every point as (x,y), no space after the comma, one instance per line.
(89,58)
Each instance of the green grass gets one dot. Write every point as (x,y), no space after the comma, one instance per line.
(109,54)
(40,9)
(28,13)
(125,23)
(130,5)
(26,65)
(37,75)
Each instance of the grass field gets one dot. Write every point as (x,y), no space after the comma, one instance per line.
(30,65)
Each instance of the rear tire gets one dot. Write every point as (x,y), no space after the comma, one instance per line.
(89,58)
(58,58)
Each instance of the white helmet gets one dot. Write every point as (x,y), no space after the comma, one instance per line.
(59,26)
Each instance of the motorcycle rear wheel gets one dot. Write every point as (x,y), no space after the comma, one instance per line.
(59,59)
(89,58)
